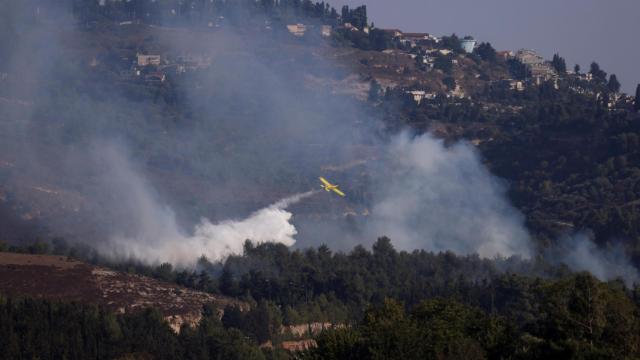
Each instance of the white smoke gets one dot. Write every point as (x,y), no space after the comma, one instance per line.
(152,234)
(581,253)
(439,198)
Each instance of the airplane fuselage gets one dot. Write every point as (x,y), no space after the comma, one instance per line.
(330,187)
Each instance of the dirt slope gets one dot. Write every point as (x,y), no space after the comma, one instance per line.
(59,278)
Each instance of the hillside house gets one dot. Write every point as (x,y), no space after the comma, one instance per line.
(468,44)
(406,42)
(194,62)
(395,33)
(146,60)
(458,92)
(350,27)
(420,95)
(582,91)
(539,69)
(516,85)
(505,55)
(541,72)
(585,77)
(529,57)
(415,39)
(297,29)
(429,61)
(416,36)
(435,39)
(325,30)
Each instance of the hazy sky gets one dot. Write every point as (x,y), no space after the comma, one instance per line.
(580,30)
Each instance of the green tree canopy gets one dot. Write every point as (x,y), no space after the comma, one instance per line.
(559,64)
(486,52)
(614,84)
(597,73)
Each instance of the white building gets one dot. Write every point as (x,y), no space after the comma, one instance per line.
(144,60)
(325,30)
(420,95)
(529,57)
(468,45)
(297,29)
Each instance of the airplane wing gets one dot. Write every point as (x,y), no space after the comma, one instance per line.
(337,191)
(324,181)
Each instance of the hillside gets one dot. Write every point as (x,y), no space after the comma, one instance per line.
(63,279)
(159,192)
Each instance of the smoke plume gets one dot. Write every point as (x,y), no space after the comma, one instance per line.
(154,236)
(170,172)
(580,253)
(437,198)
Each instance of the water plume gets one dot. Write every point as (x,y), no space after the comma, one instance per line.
(154,236)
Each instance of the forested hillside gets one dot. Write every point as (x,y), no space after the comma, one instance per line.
(182,140)
(379,303)
(572,162)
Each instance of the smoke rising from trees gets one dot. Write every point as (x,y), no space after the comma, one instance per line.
(174,173)
(444,199)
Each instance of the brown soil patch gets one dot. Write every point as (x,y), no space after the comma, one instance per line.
(59,278)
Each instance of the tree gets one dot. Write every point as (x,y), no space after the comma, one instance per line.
(597,73)
(451,43)
(559,64)
(345,343)
(443,63)
(356,17)
(486,52)
(390,333)
(374,90)
(380,40)
(164,272)
(450,82)
(233,317)
(614,84)
(345,13)
(636,104)
(586,316)
(228,285)
(453,329)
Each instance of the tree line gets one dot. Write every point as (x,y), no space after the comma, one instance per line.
(386,303)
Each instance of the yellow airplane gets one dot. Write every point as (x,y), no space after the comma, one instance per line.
(329,187)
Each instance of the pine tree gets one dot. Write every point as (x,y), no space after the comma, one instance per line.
(559,64)
(614,84)
(374,91)
(597,73)
(486,52)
